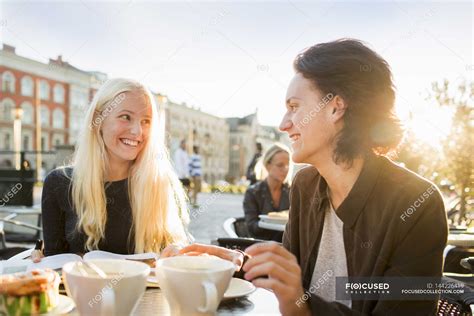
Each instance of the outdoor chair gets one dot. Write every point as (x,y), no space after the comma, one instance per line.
(236,227)
(458,304)
(9,215)
(10,218)
(7,253)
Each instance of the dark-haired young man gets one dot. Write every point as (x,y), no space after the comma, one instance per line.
(349,209)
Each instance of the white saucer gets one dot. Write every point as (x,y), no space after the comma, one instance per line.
(238,288)
(65,305)
(273,219)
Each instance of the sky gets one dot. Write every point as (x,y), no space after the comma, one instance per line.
(230,58)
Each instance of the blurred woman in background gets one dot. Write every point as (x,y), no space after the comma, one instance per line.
(271,193)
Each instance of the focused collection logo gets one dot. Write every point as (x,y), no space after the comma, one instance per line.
(367,288)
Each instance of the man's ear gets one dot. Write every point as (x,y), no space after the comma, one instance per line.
(338,108)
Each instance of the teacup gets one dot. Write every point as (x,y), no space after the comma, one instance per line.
(194,285)
(118,292)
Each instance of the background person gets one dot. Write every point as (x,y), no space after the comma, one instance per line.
(251,175)
(181,164)
(270,194)
(195,170)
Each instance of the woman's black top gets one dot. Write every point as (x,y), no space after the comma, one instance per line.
(258,201)
(59,217)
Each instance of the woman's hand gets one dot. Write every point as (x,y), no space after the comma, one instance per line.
(36,255)
(284,276)
(227,254)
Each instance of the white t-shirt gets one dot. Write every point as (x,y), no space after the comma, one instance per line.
(331,261)
(181,163)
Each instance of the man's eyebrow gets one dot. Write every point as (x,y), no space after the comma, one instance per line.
(288,101)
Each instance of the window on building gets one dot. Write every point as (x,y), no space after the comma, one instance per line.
(43,143)
(8,82)
(27,86)
(28,114)
(74,123)
(44,115)
(58,118)
(79,99)
(26,142)
(6,108)
(44,90)
(7,141)
(58,93)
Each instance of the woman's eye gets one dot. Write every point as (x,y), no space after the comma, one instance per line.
(125,117)
(146,122)
(293,108)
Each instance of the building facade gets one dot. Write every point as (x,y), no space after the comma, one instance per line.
(210,133)
(245,132)
(55,95)
(243,136)
(269,135)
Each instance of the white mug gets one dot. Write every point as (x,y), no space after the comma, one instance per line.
(117,293)
(194,285)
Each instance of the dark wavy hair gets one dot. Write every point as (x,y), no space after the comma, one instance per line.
(363,79)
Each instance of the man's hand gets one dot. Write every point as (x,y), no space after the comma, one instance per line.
(227,254)
(284,276)
(170,251)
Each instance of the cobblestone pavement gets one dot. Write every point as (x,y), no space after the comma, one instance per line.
(214,208)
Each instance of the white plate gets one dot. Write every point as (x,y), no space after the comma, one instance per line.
(273,220)
(461,240)
(238,288)
(65,305)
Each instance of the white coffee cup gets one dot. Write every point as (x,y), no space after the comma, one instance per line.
(117,293)
(194,285)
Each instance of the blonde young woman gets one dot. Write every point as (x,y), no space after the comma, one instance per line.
(121,193)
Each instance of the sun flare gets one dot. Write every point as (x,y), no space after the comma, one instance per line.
(430,124)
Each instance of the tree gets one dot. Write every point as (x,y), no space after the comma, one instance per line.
(458,146)
(419,156)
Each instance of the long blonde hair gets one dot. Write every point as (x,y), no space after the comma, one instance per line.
(156,196)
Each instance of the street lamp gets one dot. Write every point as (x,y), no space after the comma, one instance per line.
(17,115)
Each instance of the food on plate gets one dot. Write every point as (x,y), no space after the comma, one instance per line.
(281,214)
(32,292)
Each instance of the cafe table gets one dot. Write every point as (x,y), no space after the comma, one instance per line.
(461,240)
(260,302)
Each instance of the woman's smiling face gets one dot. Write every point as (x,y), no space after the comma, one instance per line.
(126,127)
